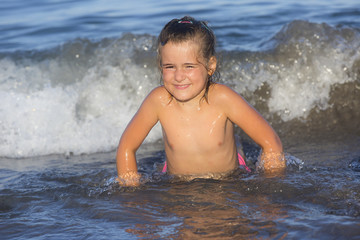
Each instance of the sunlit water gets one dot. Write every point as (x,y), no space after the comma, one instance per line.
(73,73)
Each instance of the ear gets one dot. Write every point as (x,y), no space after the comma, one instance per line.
(212,65)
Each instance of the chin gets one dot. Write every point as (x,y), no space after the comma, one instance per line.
(182,99)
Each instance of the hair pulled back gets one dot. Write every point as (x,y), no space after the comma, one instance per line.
(185,29)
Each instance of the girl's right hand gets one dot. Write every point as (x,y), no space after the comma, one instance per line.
(273,164)
(129,179)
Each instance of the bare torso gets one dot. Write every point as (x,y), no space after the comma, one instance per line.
(198,137)
(198,133)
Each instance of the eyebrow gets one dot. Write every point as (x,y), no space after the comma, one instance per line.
(168,64)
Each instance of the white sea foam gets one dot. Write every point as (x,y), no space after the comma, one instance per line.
(323,57)
(300,66)
(79,97)
(40,115)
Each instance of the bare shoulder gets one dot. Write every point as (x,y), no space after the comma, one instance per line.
(152,105)
(221,93)
(229,101)
(160,90)
(221,87)
(158,95)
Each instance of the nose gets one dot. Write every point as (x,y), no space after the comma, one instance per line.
(179,75)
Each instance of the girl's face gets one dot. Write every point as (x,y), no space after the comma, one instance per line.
(184,71)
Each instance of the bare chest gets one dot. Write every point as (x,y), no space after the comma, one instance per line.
(203,129)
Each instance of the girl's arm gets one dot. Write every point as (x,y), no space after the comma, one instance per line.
(256,127)
(133,136)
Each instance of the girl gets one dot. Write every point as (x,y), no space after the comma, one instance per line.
(197,115)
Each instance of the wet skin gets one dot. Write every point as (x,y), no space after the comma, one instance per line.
(198,134)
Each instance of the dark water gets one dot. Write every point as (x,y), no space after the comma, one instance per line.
(77,198)
(72,73)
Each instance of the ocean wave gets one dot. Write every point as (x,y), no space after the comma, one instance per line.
(78,97)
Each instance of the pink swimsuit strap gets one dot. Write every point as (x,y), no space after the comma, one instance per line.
(241,163)
(164,168)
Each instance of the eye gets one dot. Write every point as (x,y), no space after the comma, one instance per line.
(190,66)
(168,67)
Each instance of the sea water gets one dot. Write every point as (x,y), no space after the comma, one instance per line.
(72,74)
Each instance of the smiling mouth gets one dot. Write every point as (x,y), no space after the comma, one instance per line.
(181,87)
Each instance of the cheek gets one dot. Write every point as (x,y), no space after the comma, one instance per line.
(167,78)
(198,77)
(166,74)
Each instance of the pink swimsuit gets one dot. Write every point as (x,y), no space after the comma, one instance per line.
(241,163)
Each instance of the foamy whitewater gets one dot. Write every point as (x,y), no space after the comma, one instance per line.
(77,99)
(73,73)
(79,96)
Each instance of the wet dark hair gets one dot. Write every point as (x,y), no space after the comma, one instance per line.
(185,29)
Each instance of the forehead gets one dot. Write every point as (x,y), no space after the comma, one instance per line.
(184,49)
